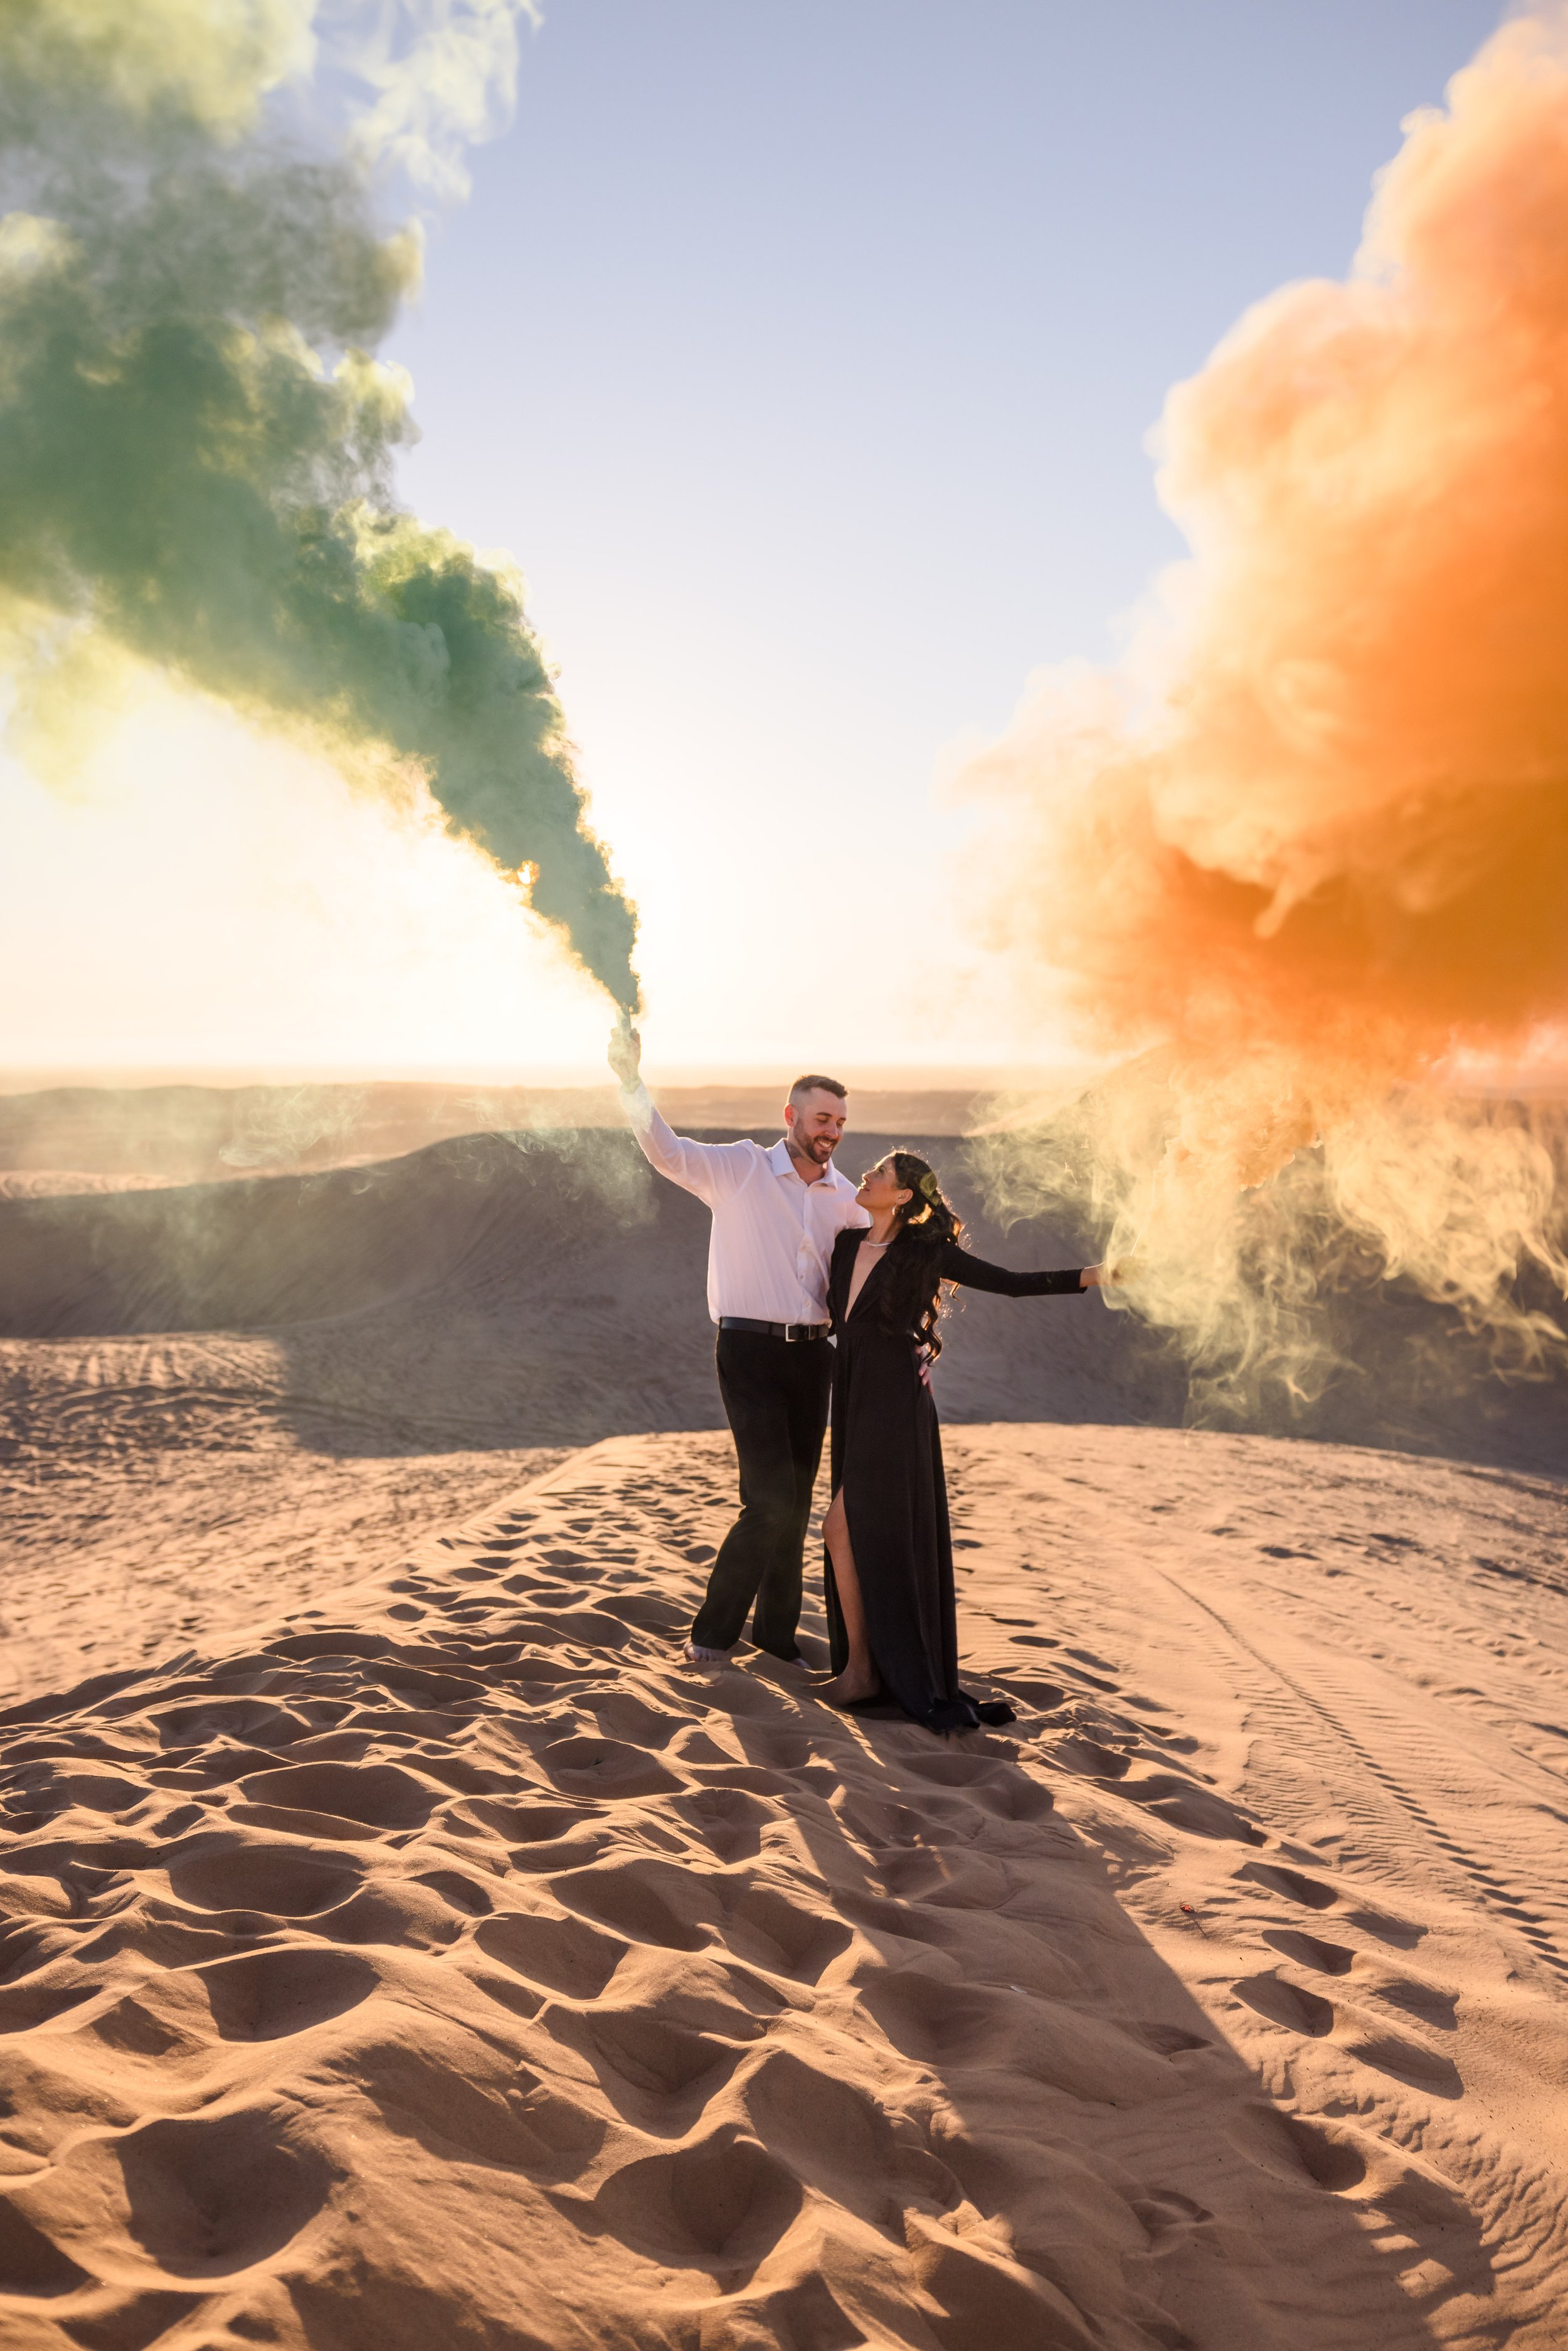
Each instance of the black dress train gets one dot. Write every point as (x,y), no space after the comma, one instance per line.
(887,1464)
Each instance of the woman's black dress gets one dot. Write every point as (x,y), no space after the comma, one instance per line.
(887,1464)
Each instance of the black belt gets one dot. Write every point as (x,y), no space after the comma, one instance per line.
(790,1331)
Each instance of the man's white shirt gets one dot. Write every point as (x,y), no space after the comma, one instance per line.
(773,1234)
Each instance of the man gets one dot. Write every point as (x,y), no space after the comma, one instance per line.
(776,1216)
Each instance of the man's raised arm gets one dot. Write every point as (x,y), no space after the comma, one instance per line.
(711,1170)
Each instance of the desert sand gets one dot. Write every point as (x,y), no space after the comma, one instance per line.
(403,1947)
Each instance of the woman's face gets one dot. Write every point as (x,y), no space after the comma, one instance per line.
(881,1190)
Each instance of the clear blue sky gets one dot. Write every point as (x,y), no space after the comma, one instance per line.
(805,355)
(842,322)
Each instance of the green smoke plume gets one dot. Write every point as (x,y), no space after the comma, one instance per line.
(196,442)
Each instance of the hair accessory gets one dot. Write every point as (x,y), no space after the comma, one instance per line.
(929,1186)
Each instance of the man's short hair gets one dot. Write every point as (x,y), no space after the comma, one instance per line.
(814,1082)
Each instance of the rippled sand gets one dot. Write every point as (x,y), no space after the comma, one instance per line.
(445,1963)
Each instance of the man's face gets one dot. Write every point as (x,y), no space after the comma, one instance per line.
(816,1122)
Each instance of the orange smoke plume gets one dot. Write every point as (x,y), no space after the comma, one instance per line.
(1310,841)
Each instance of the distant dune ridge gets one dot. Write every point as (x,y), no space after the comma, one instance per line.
(546,1288)
(399,1947)
(190,1133)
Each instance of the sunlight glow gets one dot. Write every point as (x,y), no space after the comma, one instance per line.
(207,894)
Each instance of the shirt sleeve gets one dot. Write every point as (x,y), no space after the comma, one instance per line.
(956,1264)
(714,1171)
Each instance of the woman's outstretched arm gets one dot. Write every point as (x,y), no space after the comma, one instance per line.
(956,1264)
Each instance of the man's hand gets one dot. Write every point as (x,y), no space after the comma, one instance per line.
(626,1053)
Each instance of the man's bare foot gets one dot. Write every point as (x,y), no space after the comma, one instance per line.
(850,1688)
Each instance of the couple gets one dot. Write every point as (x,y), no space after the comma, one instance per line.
(797,1253)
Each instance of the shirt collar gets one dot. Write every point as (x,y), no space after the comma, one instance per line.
(779,1159)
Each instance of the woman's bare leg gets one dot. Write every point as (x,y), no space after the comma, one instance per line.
(859,1679)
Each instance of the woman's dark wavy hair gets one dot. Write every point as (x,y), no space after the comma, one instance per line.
(911,1289)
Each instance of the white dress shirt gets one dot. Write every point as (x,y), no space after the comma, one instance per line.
(773,1234)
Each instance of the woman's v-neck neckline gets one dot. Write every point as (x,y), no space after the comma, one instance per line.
(854,1296)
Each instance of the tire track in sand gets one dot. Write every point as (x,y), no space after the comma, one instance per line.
(1502,1899)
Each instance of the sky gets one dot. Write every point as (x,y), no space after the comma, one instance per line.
(806,358)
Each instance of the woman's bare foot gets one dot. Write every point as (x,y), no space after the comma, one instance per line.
(851,1688)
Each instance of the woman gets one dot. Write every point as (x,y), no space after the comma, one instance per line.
(891,1609)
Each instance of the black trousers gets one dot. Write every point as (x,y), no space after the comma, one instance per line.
(775,1394)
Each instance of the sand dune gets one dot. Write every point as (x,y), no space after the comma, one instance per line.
(446,1965)
(399,1947)
(220,1396)
(547,1288)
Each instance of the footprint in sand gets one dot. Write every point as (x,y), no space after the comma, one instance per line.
(833,2136)
(1169,2040)
(1402,1934)
(1308,1891)
(268,1995)
(1310,1951)
(374,1794)
(607,1766)
(134,2029)
(785,1937)
(1202,1811)
(1091,1761)
(524,1824)
(564,1954)
(457,1890)
(201,2197)
(1407,2061)
(731,1820)
(1286,2003)
(1043,1698)
(719,2206)
(1291,2148)
(1169,2219)
(653,2069)
(281,1881)
(646,1901)
(1423,2002)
